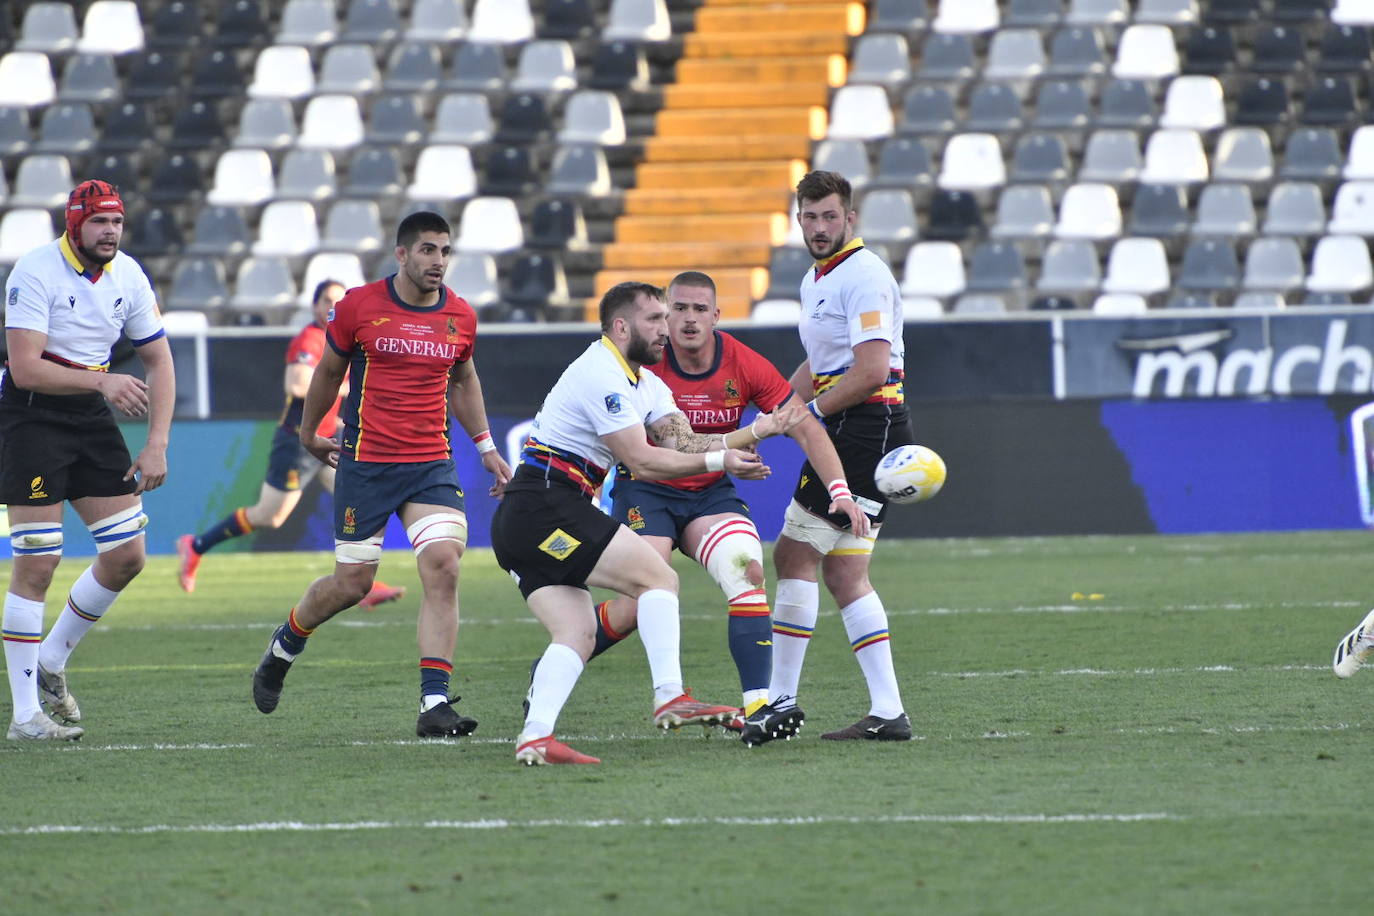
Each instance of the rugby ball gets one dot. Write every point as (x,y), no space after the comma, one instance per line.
(909,474)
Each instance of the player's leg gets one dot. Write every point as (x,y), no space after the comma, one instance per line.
(633,568)
(865,621)
(804,540)
(566,612)
(36,542)
(438,534)
(380,593)
(1353,651)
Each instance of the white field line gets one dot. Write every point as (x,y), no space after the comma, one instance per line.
(1124,672)
(602,823)
(1085,607)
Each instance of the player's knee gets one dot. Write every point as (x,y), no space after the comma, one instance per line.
(33,574)
(122,565)
(730,551)
(754,573)
(37,540)
(354,581)
(116,531)
(439,565)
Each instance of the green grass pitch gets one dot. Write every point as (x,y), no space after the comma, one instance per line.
(1106,725)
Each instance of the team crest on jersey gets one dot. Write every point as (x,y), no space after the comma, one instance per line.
(13,296)
(452,330)
(350,520)
(560,544)
(119,307)
(731,393)
(612,403)
(36,489)
(635,517)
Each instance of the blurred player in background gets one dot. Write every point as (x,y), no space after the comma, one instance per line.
(290,466)
(553,539)
(66,305)
(406,342)
(851,330)
(713,377)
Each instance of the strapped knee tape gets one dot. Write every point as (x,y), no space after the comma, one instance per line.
(726,551)
(36,539)
(113,531)
(441,526)
(352,553)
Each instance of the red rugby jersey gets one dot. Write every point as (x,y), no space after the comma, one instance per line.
(714,400)
(399,361)
(306,349)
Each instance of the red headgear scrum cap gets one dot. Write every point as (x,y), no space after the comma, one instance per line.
(86,200)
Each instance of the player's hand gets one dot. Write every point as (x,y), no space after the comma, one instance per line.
(858,519)
(128,394)
(500,471)
(745,465)
(149,469)
(779,421)
(327,450)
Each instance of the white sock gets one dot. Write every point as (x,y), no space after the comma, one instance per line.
(431,700)
(554,678)
(23,628)
(660,632)
(795,608)
(87,603)
(865,621)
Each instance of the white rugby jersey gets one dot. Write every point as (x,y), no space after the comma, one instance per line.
(599,393)
(48,291)
(855,300)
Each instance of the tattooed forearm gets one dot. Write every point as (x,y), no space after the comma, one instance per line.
(673,431)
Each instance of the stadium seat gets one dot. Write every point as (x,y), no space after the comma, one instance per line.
(216,75)
(243,178)
(42,180)
(511,171)
(1126,104)
(413,67)
(570,20)
(972,162)
(16,135)
(1040,159)
(348,69)
(1209,265)
(1137,265)
(953,216)
(374,172)
(443,173)
(933,269)
(477,67)
(558,224)
(287,229)
(1174,157)
(1301,12)
(928,110)
(331,265)
(1232,12)
(501,22)
(1330,102)
(220,231)
(1278,51)
(268,124)
(994,108)
(354,226)
(1120,304)
(545,66)
(966,16)
(1312,154)
(26,79)
(998,267)
(198,283)
(264,283)
(1111,157)
(153,233)
(903,162)
(395,120)
(154,76)
(619,66)
(786,266)
(111,27)
(1273,264)
(638,20)
(1296,209)
(1225,210)
(472,275)
(776,311)
(888,216)
(1069,267)
(1260,299)
(282,72)
(331,122)
(1345,49)
(440,21)
(120,170)
(1352,212)
(947,58)
(1243,154)
(579,170)
(1177,13)
(1062,105)
(1263,102)
(307,174)
(1353,12)
(174,26)
(22,229)
(89,78)
(1090,212)
(490,224)
(1195,103)
(1159,211)
(463,118)
(1359,160)
(312,23)
(524,118)
(860,113)
(882,58)
(989,304)
(1015,55)
(1098,12)
(48,28)
(1024,211)
(1209,51)
(914,308)
(66,128)
(373,22)
(1033,14)
(1340,264)
(1146,52)
(175,180)
(197,126)
(593,116)
(1077,52)
(908,17)
(536,280)
(240,24)
(848,157)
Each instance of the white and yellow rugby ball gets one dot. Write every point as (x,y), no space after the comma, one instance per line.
(909,474)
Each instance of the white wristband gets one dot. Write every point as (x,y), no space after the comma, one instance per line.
(754,432)
(839,489)
(483,442)
(715,461)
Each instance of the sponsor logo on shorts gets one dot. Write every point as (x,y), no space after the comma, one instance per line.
(612,403)
(293,479)
(36,489)
(560,544)
(635,517)
(350,520)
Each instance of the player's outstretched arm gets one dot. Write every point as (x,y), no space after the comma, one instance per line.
(150,465)
(470,410)
(323,392)
(663,460)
